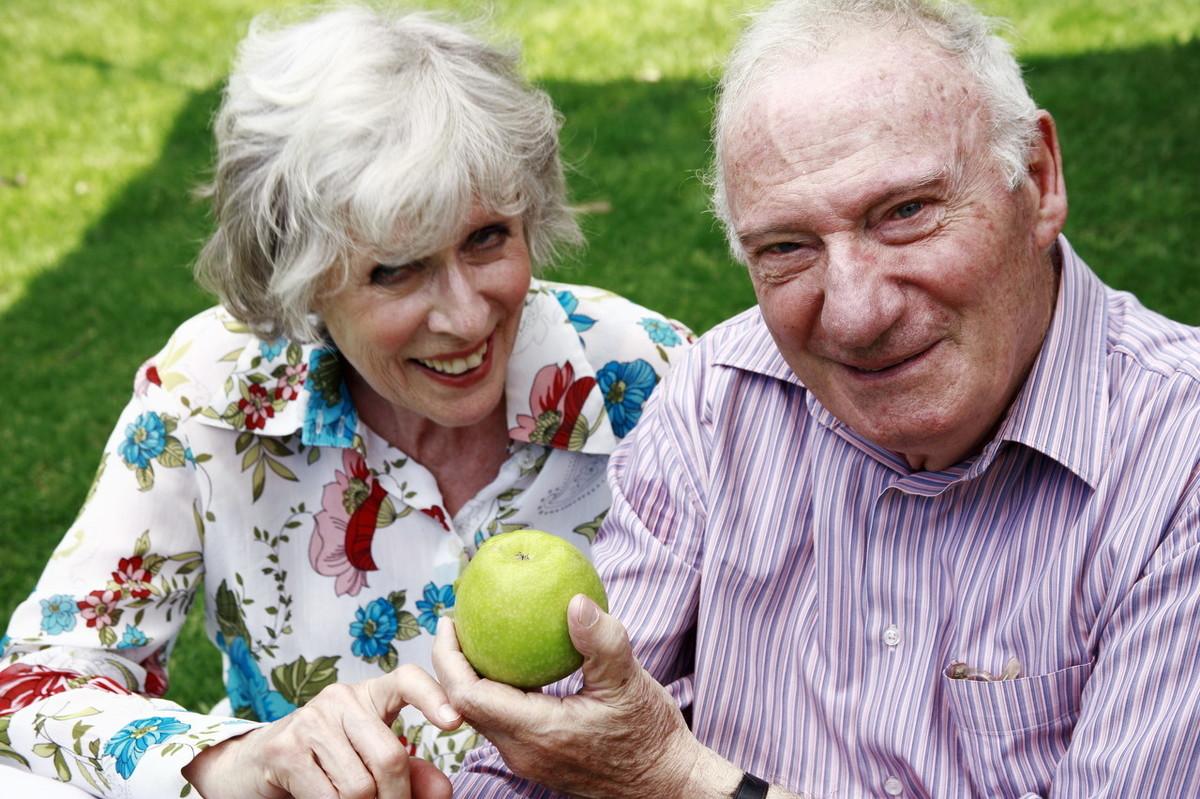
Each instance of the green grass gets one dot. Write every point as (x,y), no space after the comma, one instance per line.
(104,110)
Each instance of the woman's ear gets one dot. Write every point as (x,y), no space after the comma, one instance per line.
(1046,176)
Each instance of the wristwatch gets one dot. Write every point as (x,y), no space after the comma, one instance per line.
(751,787)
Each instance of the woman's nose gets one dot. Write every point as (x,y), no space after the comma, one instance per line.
(458,308)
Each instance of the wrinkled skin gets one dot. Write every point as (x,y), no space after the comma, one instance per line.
(903,280)
(338,746)
(621,736)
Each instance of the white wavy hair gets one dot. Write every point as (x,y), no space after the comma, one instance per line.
(790,31)
(362,130)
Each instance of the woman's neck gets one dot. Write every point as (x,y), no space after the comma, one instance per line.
(463,460)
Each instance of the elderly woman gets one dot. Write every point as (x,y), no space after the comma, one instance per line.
(383,387)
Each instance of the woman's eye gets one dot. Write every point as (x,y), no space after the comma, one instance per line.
(489,236)
(387,275)
(908,210)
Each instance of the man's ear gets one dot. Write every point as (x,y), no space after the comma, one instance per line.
(1046,177)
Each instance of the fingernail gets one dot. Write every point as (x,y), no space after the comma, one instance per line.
(447,714)
(586,611)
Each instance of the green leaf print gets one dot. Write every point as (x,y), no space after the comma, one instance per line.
(6,749)
(142,545)
(589,529)
(229,615)
(407,627)
(145,478)
(327,378)
(172,455)
(300,681)
(579,434)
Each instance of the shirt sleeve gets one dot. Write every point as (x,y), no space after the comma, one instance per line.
(83,667)
(647,553)
(1140,708)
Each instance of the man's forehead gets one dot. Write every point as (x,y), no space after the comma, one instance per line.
(867,86)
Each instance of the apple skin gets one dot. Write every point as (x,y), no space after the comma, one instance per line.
(510,607)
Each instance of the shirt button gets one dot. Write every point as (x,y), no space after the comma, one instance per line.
(893,787)
(891,636)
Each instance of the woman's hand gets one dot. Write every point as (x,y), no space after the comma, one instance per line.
(338,746)
(621,736)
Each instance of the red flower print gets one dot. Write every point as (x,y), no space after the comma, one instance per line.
(98,608)
(21,685)
(340,546)
(555,402)
(436,513)
(257,408)
(132,577)
(147,375)
(288,387)
(156,673)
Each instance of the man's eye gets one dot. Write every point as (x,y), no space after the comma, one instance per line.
(489,236)
(908,210)
(780,248)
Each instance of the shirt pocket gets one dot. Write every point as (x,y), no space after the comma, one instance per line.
(1013,733)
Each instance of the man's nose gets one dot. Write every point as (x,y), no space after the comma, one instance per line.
(862,300)
(457,306)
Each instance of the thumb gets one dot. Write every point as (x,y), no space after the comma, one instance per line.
(608,661)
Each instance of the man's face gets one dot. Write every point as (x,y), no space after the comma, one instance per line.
(902,280)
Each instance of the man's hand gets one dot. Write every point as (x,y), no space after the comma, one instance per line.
(621,736)
(338,746)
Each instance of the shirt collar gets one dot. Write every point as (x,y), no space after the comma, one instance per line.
(1059,411)
(553,394)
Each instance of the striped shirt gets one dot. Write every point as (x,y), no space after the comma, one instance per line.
(818,603)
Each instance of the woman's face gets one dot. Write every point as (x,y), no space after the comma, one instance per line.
(433,337)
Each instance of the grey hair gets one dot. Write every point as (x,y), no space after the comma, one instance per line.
(362,130)
(789,31)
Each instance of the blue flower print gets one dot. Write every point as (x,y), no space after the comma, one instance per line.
(132,740)
(145,440)
(58,614)
(435,602)
(4,642)
(660,332)
(132,637)
(373,629)
(330,419)
(626,386)
(569,303)
(246,686)
(270,350)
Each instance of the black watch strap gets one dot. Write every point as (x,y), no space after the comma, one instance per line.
(751,787)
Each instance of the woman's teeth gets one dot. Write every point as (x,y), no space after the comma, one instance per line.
(456,366)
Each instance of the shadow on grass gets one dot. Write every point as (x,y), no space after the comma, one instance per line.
(71,345)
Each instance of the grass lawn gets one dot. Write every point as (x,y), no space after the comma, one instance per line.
(104,109)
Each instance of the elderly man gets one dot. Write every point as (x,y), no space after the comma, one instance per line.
(926,521)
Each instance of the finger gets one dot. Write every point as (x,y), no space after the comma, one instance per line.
(491,707)
(608,661)
(428,781)
(305,779)
(342,764)
(411,685)
(382,754)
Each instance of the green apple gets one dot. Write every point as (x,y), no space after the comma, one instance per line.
(510,607)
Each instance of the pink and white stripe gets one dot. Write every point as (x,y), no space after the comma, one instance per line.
(829,589)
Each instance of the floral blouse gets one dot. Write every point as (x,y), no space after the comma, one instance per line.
(325,553)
